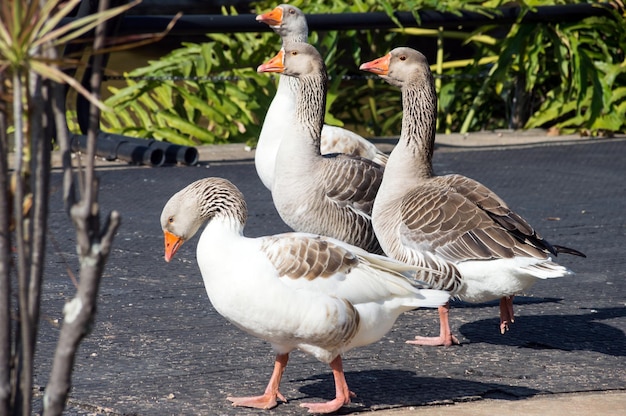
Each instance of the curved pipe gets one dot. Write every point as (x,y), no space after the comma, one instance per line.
(142,151)
(111,148)
(174,153)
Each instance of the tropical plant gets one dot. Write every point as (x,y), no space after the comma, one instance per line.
(210,92)
(588,92)
(562,75)
(200,93)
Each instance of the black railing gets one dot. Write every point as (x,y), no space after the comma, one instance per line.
(201,24)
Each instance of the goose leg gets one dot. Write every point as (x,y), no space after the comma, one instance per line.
(268,399)
(342,393)
(506,313)
(445,337)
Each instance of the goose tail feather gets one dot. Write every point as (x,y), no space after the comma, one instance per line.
(567,250)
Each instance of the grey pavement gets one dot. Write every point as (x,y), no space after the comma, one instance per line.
(159,348)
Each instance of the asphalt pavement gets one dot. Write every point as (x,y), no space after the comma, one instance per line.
(159,348)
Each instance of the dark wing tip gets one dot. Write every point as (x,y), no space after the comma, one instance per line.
(567,250)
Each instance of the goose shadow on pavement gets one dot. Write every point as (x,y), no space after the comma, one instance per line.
(580,332)
(386,389)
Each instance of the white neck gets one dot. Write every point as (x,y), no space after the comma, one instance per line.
(218,242)
(277,126)
(308,118)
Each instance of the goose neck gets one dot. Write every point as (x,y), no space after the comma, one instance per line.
(291,37)
(287,87)
(310,108)
(223,225)
(419,104)
(223,209)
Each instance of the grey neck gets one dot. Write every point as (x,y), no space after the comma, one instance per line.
(311,106)
(419,122)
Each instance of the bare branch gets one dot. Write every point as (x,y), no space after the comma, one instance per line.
(5,266)
(40,179)
(63,139)
(79,315)
(24,370)
(94,245)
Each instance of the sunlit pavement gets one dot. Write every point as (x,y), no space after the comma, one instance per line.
(159,348)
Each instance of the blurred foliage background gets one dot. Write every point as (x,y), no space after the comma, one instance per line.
(568,77)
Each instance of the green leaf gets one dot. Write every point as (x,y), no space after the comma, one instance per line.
(172,136)
(184,126)
(204,107)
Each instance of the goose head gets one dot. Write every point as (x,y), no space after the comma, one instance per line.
(400,67)
(287,21)
(203,200)
(295,60)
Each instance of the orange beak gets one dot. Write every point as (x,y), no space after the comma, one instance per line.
(273,65)
(273,18)
(172,244)
(378,66)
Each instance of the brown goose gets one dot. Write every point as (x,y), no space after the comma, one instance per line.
(294,290)
(330,195)
(290,24)
(496,251)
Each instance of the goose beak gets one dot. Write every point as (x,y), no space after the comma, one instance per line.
(378,66)
(172,244)
(272,18)
(273,65)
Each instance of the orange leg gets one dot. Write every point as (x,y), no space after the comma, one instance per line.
(342,393)
(268,399)
(445,337)
(506,313)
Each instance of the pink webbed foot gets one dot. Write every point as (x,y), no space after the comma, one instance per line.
(268,399)
(445,337)
(265,401)
(506,313)
(328,407)
(342,393)
(441,340)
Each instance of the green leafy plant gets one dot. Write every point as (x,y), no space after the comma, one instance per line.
(210,92)
(200,93)
(568,76)
(592,58)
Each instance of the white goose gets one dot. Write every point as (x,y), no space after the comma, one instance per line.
(496,251)
(290,24)
(330,195)
(293,290)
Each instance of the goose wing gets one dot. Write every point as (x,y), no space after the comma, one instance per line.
(324,265)
(352,181)
(465,222)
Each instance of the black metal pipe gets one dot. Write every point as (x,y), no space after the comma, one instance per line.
(201,24)
(174,153)
(112,147)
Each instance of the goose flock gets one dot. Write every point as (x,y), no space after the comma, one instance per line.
(373,236)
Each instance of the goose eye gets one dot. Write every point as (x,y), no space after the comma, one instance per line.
(170,220)
(294,53)
(292,11)
(403,57)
